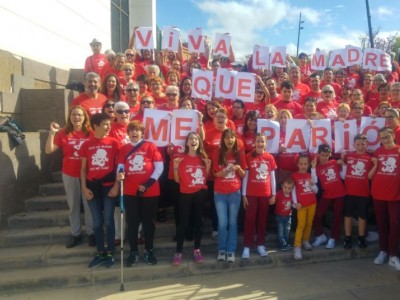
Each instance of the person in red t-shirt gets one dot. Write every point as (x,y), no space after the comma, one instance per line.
(305,68)
(358,169)
(141,166)
(132,98)
(300,90)
(99,186)
(108,108)
(229,166)
(156,87)
(250,130)
(393,122)
(69,140)
(287,103)
(110,87)
(238,115)
(315,89)
(274,96)
(328,173)
(305,201)
(328,79)
(258,192)
(91,100)
(328,106)
(115,67)
(191,171)
(283,213)
(97,61)
(385,190)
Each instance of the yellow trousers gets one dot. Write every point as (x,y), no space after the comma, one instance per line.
(305,218)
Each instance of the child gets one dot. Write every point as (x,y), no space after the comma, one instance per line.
(190,172)
(358,169)
(283,212)
(257,193)
(328,173)
(99,186)
(305,201)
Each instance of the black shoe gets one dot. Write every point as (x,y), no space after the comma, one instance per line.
(361,242)
(91,240)
(74,241)
(347,243)
(109,260)
(132,259)
(149,257)
(98,260)
(161,216)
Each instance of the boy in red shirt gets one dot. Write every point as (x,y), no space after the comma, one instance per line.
(358,168)
(328,173)
(99,186)
(283,212)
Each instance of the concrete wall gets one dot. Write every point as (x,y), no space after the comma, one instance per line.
(22,169)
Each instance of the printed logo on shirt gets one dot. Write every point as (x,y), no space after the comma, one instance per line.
(77,147)
(137,163)
(100,158)
(330,175)
(231,174)
(262,171)
(306,186)
(389,166)
(198,177)
(358,169)
(296,95)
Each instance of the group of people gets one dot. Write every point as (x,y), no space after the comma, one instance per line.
(224,163)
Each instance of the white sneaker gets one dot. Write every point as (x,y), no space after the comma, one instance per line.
(246,253)
(262,250)
(394,262)
(307,246)
(381,258)
(297,253)
(372,236)
(221,256)
(319,240)
(230,257)
(331,244)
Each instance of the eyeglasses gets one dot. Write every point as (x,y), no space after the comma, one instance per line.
(386,137)
(327,92)
(132,90)
(123,111)
(259,92)
(77,115)
(171,94)
(146,102)
(129,55)
(236,107)
(108,105)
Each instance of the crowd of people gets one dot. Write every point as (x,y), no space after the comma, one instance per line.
(224,165)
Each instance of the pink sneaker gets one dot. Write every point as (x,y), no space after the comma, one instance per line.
(177,259)
(198,258)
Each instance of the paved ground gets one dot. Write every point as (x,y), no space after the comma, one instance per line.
(353,279)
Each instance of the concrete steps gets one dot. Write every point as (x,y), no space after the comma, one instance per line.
(33,254)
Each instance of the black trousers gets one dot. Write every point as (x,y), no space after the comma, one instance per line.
(140,210)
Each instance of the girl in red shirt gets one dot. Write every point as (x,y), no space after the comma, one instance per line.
(258,193)
(228,170)
(190,171)
(385,190)
(250,130)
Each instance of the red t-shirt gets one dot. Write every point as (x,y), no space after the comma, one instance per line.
(336,87)
(109,69)
(177,152)
(212,141)
(91,105)
(192,174)
(294,107)
(95,63)
(386,181)
(331,183)
(138,168)
(286,161)
(118,131)
(356,180)
(259,178)
(328,110)
(249,141)
(70,145)
(316,95)
(232,182)
(258,107)
(283,204)
(300,90)
(101,155)
(305,195)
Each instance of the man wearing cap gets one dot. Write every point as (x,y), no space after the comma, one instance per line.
(97,61)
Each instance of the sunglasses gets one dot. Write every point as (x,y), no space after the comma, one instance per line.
(171,94)
(129,55)
(131,90)
(146,102)
(328,92)
(108,105)
(123,111)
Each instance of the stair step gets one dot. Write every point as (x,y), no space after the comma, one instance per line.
(24,279)
(48,189)
(39,219)
(41,203)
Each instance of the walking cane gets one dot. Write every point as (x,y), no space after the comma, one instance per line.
(122,209)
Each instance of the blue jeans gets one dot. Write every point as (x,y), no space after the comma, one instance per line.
(227,206)
(283,226)
(102,210)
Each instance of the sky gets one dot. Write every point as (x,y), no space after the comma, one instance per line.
(327,24)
